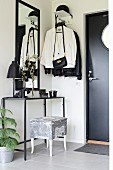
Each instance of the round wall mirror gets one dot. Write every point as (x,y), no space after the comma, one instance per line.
(105,36)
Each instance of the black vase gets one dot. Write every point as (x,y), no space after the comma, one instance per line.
(53,93)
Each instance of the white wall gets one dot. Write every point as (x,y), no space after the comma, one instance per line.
(7,41)
(72,89)
(7,54)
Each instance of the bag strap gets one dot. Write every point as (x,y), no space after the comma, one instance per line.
(55,41)
(31,29)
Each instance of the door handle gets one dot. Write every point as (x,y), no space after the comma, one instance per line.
(93,78)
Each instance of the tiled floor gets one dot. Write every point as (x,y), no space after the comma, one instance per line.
(61,160)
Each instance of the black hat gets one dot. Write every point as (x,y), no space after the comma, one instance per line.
(64,8)
(33,13)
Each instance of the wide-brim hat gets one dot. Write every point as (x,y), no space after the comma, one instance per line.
(33,15)
(63,8)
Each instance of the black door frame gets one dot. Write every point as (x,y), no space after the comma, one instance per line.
(87,68)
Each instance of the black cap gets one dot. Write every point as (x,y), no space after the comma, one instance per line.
(33,13)
(64,8)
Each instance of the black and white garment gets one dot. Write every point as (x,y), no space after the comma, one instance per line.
(73,53)
(70,47)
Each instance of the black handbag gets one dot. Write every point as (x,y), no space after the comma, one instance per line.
(60,62)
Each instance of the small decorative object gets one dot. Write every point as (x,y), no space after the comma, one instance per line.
(8,137)
(28,70)
(43,93)
(53,93)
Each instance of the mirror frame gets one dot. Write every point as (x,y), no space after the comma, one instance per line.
(38,38)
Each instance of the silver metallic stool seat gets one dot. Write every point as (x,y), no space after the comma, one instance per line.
(48,128)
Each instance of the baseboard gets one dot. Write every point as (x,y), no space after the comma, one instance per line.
(76,141)
(97,142)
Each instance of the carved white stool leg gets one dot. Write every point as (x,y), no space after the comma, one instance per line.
(51,147)
(65,142)
(47,141)
(32,145)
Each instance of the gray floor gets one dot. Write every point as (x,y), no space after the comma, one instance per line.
(61,160)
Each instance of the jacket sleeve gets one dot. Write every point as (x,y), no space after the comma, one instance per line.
(47,51)
(70,72)
(43,55)
(78,66)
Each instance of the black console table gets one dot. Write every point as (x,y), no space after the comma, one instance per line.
(25,124)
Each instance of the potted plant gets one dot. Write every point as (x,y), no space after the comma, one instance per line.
(8,136)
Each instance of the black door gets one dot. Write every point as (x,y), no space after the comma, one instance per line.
(97,78)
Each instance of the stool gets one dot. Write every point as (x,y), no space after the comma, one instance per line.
(48,128)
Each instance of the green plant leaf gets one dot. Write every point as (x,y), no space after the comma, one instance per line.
(12,133)
(9,133)
(3,111)
(10,121)
(11,143)
(8,136)
(0,121)
(2,133)
(2,143)
(17,136)
(10,130)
